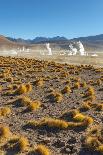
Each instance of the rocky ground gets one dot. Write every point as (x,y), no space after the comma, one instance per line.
(65,102)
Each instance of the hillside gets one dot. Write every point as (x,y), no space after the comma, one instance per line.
(91,43)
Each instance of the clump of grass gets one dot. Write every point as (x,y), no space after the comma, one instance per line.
(84,84)
(79,117)
(5,111)
(57,97)
(24,101)
(92,142)
(85,106)
(88,121)
(1,88)
(39,82)
(23,88)
(23,143)
(67,89)
(77,85)
(91,98)
(34,105)
(94,138)
(91,91)
(42,150)
(94,131)
(56,123)
(100,148)
(50,122)
(4,132)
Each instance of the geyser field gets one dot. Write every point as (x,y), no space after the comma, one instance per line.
(50,108)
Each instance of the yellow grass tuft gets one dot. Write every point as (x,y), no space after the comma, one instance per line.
(79,117)
(56,123)
(28,87)
(5,111)
(39,82)
(34,105)
(42,150)
(24,101)
(4,132)
(77,85)
(67,89)
(91,91)
(50,122)
(58,97)
(23,143)
(92,142)
(87,121)
(23,88)
(100,148)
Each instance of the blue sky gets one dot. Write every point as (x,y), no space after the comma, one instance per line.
(69,18)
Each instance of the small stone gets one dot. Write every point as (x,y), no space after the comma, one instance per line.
(59,143)
(74,150)
(67,150)
(72,140)
(46,140)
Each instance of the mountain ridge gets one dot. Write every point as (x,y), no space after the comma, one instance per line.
(91,43)
(93,38)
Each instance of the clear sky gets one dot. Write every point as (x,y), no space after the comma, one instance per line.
(69,18)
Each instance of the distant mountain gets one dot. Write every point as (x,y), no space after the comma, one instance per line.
(91,43)
(38,40)
(97,38)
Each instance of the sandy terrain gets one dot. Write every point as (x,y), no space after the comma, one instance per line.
(64,108)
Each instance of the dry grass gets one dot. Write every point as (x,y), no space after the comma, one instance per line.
(49,83)
(23,101)
(42,150)
(23,88)
(39,82)
(5,111)
(34,105)
(67,89)
(4,132)
(91,91)
(50,122)
(23,143)
(58,97)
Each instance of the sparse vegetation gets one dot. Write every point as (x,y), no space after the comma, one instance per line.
(5,111)
(34,105)
(23,88)
(4,132)
(23,143)
(67,89)
(30,115)
(42,150)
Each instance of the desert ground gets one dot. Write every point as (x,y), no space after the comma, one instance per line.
(50,108)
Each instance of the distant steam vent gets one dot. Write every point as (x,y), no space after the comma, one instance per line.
(49,49)
(77,48)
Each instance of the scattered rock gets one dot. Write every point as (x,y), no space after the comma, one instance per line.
(59,143)
(46,140)
(72,140)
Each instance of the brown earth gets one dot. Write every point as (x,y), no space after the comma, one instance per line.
(46,79)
